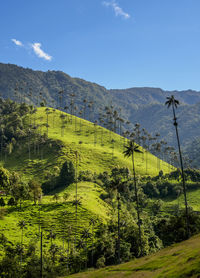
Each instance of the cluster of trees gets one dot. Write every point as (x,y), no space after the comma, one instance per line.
(60,179)
(19,130)
(12,185)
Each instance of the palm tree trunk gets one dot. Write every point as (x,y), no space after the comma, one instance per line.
(137,206)
(76,196)
(182,174)
(41,261)
(118,247)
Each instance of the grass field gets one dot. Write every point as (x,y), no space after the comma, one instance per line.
(177,261)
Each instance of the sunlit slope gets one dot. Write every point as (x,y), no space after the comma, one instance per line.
(98,149)
(178,261)
(57,216)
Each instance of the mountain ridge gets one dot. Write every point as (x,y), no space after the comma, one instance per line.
(142,105)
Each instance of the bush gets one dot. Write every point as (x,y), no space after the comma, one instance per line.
(157,206)
(67,174)
(11,202)
(101,262)
(85,176)
(2,202)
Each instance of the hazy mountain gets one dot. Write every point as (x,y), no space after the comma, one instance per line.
(138,105)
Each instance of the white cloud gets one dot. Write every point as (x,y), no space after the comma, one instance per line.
(18,43)
(117,9)
(39,52)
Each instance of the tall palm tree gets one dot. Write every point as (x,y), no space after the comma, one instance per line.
(130,149)
(92,223)
(85,235)
(114,185)
(171,101)
(22,224)
(51,236)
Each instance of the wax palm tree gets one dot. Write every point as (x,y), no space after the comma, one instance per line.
(76,203)
(22,224)
(115,184)
(85,235)
(92,223)
(51,236)
(47,111)
(130,149)
(171,101)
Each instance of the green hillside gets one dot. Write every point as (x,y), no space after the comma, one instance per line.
(71,225)
(178,261)
(98,149)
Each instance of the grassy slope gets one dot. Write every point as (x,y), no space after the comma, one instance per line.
(193,198)
(95,157)
(59,216)
(177,261)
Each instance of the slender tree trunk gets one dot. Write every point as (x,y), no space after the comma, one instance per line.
(182,173)
(137,206)
(76,196)
(41,261)
(118,207)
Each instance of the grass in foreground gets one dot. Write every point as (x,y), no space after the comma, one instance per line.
(178,261)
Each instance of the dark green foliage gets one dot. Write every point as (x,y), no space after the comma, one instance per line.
(4,178)
(2,202)
(173,229)
(157,206)
(65,178)
(35,190)
(86,176)
(11,202)
(67,174)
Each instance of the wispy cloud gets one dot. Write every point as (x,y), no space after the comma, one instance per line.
(39,52)
(18,43)
(117,9)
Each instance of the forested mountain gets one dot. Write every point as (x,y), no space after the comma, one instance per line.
(136,105)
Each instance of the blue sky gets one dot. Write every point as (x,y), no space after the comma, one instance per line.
(117,44)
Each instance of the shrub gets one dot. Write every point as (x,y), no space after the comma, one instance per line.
(67,174)
(101,262)
(2,202)
(11,202)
